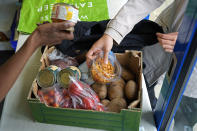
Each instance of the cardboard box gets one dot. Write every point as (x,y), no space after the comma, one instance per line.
(126,120)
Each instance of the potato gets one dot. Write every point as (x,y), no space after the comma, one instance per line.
(116,105)
(118,82)
(100,89)
(131,90)
(127,75)
(105,102)
(115,91)
(134,104)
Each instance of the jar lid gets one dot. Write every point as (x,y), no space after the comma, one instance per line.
(45,78)
(63,77)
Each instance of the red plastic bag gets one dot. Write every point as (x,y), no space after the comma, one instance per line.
(51,96)
(83,97)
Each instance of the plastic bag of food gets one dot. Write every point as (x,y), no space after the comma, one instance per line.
(51,96)
(105,73)
(61,60)
(83,97)
(67,101)
(85,74)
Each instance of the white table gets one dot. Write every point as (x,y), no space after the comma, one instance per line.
(16,114)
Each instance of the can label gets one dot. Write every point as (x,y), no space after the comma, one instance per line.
(65,12)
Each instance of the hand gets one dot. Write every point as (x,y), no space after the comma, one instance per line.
(105,44)
(52,33)
(167,41)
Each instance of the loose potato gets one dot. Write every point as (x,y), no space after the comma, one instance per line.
(115,91)
(131,90)
(120,81)
(116,105)
(127,75)
(105,102)
(100,89)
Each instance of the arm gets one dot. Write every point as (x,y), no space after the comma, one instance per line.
(47,33)
(131,13)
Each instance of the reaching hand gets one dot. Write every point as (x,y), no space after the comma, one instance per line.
(52,33)
(167,41)
(104,44)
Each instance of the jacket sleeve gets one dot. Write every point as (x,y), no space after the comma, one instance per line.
(130,14)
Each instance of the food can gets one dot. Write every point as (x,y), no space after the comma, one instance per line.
(63,77)
(64,12)
(47,77)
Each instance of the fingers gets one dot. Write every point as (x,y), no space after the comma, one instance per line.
(64,25)
(168,48)
(91,55)
(167,41)
(57,42)
(169,36)
(66,35)
(106,53)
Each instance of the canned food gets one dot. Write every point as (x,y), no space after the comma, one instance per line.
(47,77)
(64,75)
(64,12)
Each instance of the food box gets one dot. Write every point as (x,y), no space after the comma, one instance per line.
(126,120)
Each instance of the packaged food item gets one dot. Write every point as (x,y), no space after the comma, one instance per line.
(47,77)
(51,96)
(67,101)
(64,12)
(59,59)
(105,73)
(85,74)
(83,97)
(63,77)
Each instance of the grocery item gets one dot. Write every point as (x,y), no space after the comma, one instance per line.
(67,101)
(119,81)
(115,91)
(47,76)
(51,96)
(63,77)
(60,60)
(105,73)
(116,105)
(64,12)
(131,90)
(105,102)
(83,97)
(100,90)
(127,75)
(85,74)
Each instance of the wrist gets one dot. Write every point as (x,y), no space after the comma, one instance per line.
(34,40)
(108,37)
